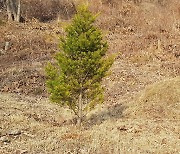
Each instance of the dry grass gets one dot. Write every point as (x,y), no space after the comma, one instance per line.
(160,100)
(42,130)
(134,31)
(141,111)
(137,128)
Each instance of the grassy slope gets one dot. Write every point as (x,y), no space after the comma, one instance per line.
(45,128)
(146,38)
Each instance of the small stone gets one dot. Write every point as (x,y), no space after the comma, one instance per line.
(5,139)
(15,132)
(7,45)
(21,151)
(24,151)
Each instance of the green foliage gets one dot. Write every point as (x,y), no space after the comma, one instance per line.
(80,65)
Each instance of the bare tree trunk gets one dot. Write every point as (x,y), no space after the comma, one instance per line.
(13,10)
(18,11)
(79,122)
(9,13)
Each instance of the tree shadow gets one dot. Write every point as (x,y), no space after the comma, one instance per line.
(113,112)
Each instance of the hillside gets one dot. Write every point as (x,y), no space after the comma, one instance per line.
(139,34)
(142,98)
(30,125)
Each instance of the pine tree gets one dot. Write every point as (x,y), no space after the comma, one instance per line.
(74,80)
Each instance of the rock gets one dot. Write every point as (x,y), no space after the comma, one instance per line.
(5,139)
(7,46)
(24,151)
(14,132)
(21,151)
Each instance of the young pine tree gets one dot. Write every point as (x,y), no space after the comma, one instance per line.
(74,80)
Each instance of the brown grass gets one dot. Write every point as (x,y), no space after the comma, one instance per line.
(141,111)
(159,100)
(43,129)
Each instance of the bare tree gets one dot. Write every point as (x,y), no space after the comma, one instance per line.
(13,10)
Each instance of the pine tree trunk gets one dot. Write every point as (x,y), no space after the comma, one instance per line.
(79,122)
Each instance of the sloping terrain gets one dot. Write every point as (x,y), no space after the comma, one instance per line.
(141,109)
(145,34)
(160,100)
(29,125)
